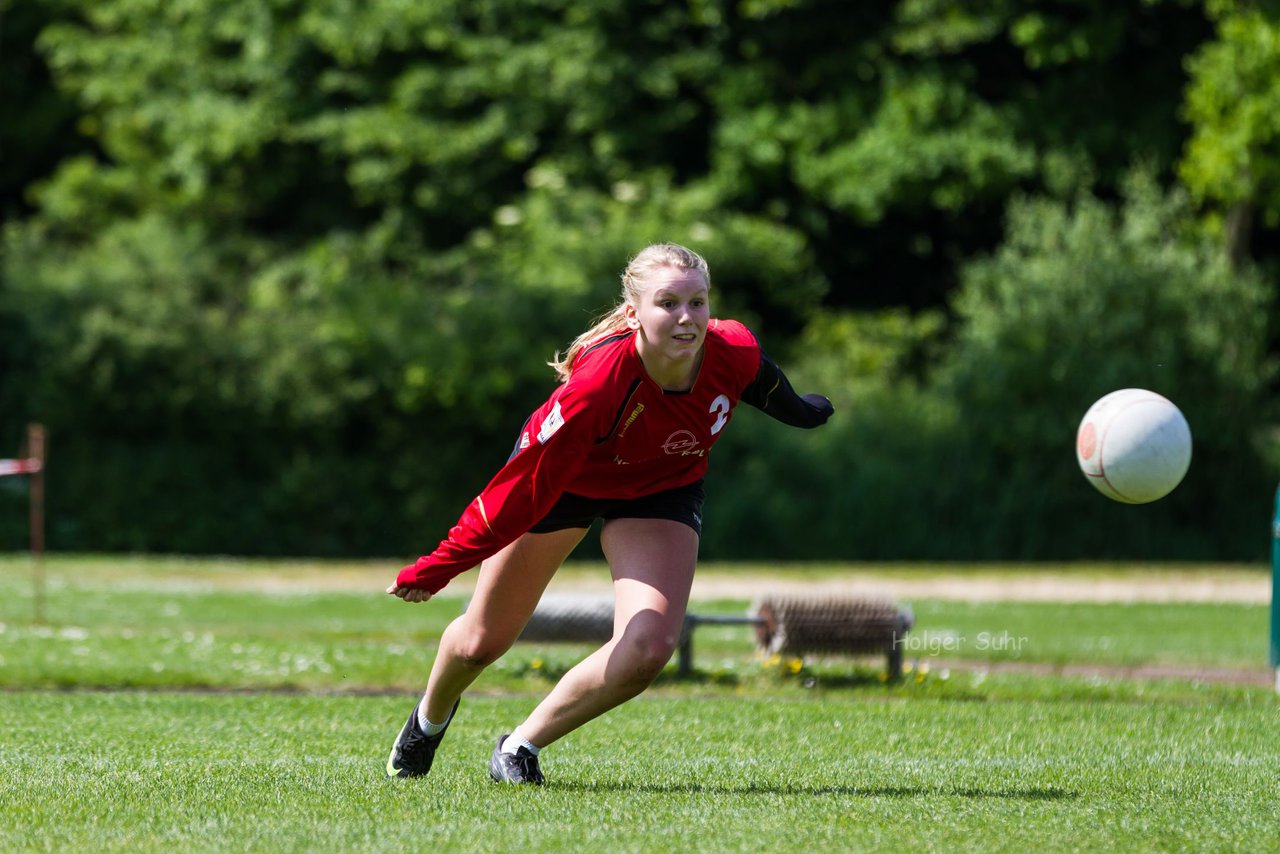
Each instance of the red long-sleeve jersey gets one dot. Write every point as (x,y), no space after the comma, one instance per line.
(609,432)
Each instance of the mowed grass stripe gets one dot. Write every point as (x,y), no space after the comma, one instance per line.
(152,771)
(345,641)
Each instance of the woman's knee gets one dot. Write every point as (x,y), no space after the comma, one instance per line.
(644,649)
(477,646)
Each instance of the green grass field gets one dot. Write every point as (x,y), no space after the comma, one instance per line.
(201,705)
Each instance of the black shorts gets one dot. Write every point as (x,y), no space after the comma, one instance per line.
(681,504)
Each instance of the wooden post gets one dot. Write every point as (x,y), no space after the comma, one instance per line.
(36,451)
(1275,591)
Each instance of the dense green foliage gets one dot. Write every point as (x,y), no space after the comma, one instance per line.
(281,277)
(978,459)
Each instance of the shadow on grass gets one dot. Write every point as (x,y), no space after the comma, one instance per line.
(1028,794)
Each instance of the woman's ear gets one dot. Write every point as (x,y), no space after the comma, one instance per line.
(629,312)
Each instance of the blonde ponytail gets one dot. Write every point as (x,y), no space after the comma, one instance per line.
(614,321)
(653,257)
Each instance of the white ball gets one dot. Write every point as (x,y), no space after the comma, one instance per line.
(1134,446)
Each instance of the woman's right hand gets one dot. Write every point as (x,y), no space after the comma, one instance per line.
(409,594)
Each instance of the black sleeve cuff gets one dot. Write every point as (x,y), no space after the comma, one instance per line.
(771,393)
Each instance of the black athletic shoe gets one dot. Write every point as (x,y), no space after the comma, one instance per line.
(414,750)
(521,768)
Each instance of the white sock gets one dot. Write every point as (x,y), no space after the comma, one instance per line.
(427,726)
(515,741)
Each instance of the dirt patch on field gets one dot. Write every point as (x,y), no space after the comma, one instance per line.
(1257,677)
(1190,586)
(1255,589)
(962,582)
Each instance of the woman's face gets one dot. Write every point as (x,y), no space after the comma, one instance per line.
(671,315)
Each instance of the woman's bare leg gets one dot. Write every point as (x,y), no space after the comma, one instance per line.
(507,591)
(652,562)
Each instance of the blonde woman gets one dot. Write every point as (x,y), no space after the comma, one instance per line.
(625,438)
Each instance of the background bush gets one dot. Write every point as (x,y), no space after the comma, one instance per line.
(977,458)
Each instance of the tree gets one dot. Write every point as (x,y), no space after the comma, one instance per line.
(308,250)
(1233,104)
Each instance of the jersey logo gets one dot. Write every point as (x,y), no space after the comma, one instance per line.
(635,413)
(553,422)
(719,408)
(681,442)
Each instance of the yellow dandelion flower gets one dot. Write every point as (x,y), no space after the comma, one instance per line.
(536,664)
(795,665)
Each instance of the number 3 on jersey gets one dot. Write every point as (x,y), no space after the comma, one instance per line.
(720,409)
